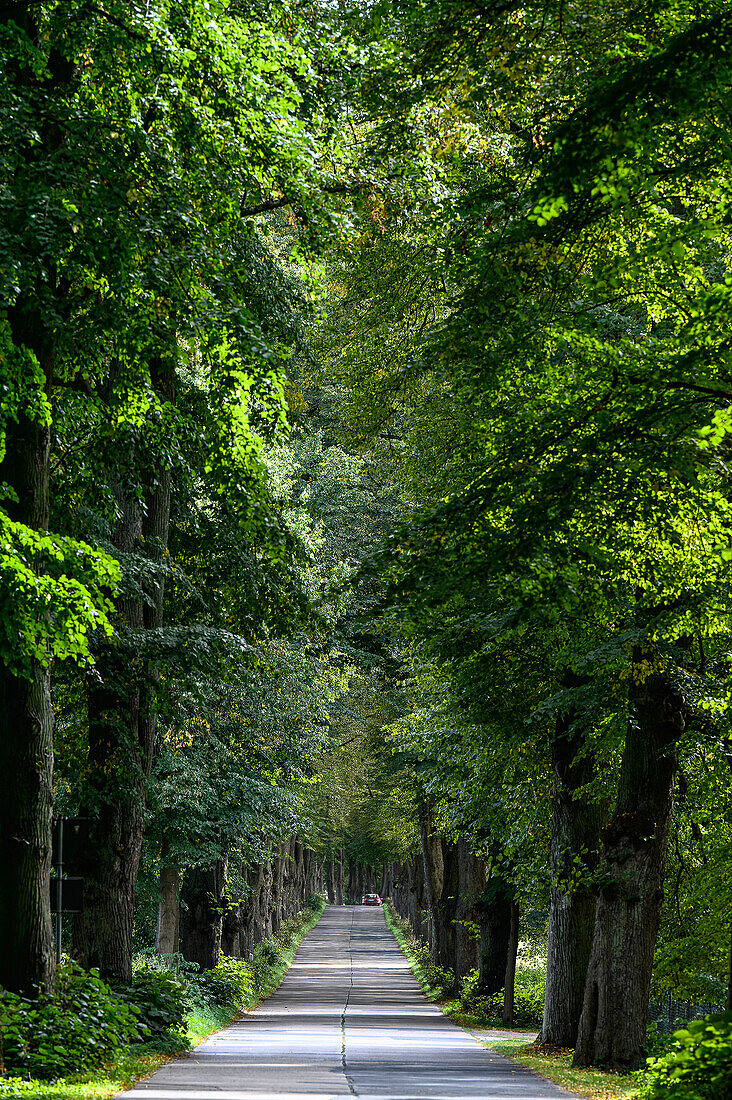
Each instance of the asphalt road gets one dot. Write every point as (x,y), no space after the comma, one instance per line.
(349,1020)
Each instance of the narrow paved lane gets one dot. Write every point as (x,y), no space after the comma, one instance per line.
(349,1020)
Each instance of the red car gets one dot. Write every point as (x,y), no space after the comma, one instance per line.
(371,899)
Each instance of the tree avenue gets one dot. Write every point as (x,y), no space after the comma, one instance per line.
(364,434)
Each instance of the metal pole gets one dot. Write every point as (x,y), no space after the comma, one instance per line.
(59,886)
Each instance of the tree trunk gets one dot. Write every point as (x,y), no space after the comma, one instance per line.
(494,911)
(257,922)
(27,959)
(510,979)
(267,897)
(204,895)
(471,884)
(168,911)
(339,878)
(330,882)
(615,1010)
(231,929)
(384,884)
(122,707)
(575,841)
(118,773)
(276,892)
(419,900)
(447,907)
(301,875)
(433,872)
(308,866)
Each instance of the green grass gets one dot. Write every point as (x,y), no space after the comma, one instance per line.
(557,1066)
(135,1063)
(127,1069)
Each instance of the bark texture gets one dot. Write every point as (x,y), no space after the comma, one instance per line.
(509,988)
(168,911)
(615,1009)
(494,910)
(471,884)
(447,908)
(434,871)
(575,843)
(27,956)
(204,894)
(340,872)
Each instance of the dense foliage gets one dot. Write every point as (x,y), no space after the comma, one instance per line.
(364,448)
(699,1066)
(81,1026)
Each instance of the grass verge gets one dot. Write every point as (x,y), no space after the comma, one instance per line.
(556,1065)
(134,1063)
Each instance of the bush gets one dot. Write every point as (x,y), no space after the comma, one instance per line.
(80,1027)
(528,1011)
(528,1006)
(162,999)
(267,953)
(698,1066)
(150,959)
(230,984)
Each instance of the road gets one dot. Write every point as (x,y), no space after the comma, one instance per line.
(349,1020)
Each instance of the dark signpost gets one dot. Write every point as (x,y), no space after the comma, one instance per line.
(67,892)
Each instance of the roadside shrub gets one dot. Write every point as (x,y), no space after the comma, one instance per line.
(230,984)
(265,958)
(440,980)
(150,959)
(529,991)
(291,931)
(162,999)
(267,953)
(698,1066)
(528,1010)
(80,1027)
